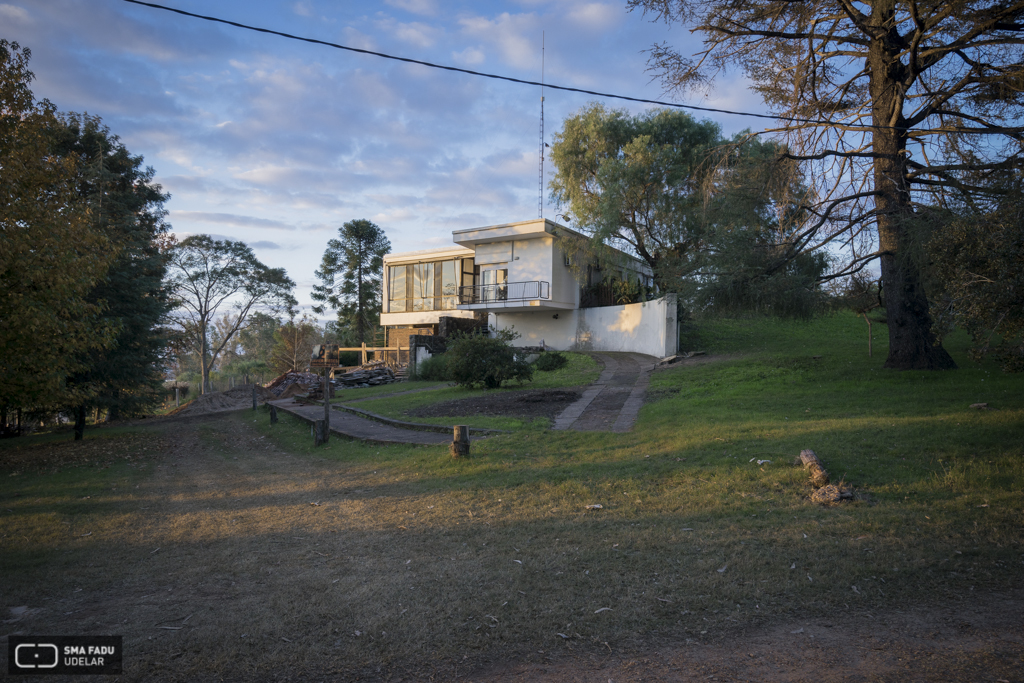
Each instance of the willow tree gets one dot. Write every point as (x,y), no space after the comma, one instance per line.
(899,104)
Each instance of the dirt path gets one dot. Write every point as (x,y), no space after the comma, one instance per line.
(364,429)
(237,561)
(979,641)
(612,402)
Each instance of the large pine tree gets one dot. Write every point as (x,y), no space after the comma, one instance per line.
(351,276)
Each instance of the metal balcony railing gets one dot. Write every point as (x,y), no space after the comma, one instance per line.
(505,292)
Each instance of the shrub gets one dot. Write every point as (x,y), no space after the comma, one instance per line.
(433,369)
(550,360)
(475,360)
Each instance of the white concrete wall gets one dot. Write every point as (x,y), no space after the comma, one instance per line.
(564,287)
(649,328)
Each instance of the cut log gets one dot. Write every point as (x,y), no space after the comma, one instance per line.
(819,477)
(273,414)
(320,433)
(460,442)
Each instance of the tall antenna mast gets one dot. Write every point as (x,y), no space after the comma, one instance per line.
(540,189)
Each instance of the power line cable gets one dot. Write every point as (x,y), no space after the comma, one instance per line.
(409,60)
(677,105)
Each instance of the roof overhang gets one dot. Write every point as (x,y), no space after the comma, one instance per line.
(523,230)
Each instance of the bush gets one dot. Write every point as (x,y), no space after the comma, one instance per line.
(550,360)
(433,369)
(475,360)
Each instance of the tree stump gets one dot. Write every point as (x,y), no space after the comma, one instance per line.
(460,442)
(819,477)
(273,414)
(320,433)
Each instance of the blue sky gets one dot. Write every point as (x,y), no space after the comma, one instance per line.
(277,143)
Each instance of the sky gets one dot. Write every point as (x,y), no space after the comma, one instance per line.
(277,143)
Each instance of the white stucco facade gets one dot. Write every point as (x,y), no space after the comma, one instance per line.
(649,327)
(518,276)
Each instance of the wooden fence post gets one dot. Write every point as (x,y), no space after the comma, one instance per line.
(460,442)
(254,397)
(273,414)
(320,433)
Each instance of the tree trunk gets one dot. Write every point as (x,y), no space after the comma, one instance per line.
(321,434)
(460,442)
(204,369)
(819,477)
(911,342)
(79,423)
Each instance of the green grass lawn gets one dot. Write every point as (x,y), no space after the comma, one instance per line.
(693,536)
(939,485)
(580,370)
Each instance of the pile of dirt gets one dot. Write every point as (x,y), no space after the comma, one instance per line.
(533,403)
(232,399)
(279,387)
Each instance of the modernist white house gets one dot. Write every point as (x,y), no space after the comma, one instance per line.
(518,275)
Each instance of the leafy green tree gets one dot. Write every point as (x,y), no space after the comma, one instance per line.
(982,272)
(206,275)
(716,220)
(755,257)
(637,179)
(350,275)
(895,104)
(51,252)
(126,376)
(293,345)
(257,337)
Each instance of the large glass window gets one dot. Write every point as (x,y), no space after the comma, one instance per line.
(449,284)
(494,288)
(396,289)
(427,286)
(423,287)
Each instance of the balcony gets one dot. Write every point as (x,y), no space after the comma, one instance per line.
(506,295)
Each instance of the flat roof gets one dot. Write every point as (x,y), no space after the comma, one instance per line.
(453,250)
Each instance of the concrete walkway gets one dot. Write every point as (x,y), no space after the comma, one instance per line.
(361,428)
(611,403)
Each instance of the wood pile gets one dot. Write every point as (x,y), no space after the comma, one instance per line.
(281,384)
(368,375)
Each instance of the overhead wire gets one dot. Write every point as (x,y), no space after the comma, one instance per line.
(471,72)
(445,67)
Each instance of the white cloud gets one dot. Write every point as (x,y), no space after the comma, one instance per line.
(15,15)
(416,34)
(422,7)
(516,36)
(470,56)
(596,16)
(229,219)
(303,9)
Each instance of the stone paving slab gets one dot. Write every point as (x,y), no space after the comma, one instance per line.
(631,408)
(613,401)
(363,429)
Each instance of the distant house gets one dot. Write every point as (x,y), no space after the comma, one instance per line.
(518,275)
